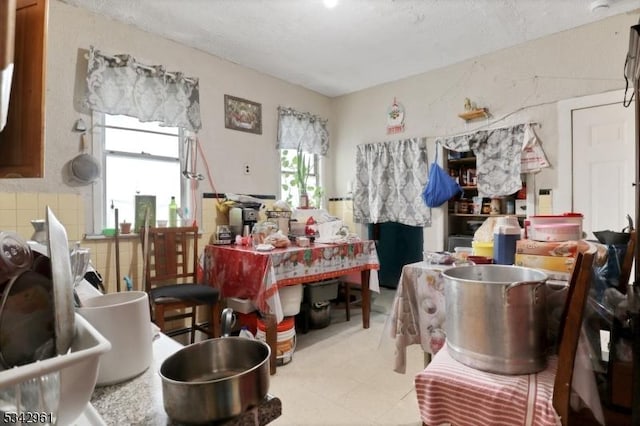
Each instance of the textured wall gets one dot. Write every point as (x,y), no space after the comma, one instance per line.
(72,30)
(524,83)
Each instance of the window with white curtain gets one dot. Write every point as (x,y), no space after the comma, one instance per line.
(301,136)
(142,118)
(138,159)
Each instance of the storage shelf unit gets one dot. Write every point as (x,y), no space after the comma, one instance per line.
(460,224)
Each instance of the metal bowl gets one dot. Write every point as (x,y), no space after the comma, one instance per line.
(215,379)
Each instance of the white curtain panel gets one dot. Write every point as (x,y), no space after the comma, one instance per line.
(390,178)
(302,130)
(119,85)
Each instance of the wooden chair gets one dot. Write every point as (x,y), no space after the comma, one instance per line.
(627,263)
(171,280)
(451,392)
(348,282)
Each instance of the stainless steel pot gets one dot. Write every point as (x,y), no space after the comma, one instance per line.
(215,379)
(496,318)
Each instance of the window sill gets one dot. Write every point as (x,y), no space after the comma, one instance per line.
(129,236)
(93,237)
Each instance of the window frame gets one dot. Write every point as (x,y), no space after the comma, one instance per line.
(99,219)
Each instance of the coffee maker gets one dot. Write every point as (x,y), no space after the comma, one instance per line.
(242,215)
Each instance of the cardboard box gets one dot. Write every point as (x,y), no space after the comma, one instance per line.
(550,263)
(547,248)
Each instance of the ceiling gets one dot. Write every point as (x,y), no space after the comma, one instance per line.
(358,43)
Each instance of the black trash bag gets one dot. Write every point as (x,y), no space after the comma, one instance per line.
(608,275)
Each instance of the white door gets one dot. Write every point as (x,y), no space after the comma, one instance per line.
(604,158)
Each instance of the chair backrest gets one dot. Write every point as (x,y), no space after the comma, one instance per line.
(171,255)
(570,327)
(627,263)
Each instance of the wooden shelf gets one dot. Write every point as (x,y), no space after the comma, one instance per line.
(474,114)
(465,160)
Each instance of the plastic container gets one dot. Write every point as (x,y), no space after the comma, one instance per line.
(244,332)
(243,306)
(575,218)
(286,338)
(555,232)
(321,291)
(290,299)
(505,237)
(122,318)
(482,248)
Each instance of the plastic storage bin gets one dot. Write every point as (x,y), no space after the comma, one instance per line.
(566,218)
(321,291)
(481,248)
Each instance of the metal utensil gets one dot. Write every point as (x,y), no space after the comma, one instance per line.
(62,283)
(79,264)
(191,145)
(215,379)
(84,167)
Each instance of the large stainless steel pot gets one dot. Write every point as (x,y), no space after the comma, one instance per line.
(215,379)
(496,318)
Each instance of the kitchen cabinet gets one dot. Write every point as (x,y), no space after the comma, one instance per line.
(22,140)
(462,217)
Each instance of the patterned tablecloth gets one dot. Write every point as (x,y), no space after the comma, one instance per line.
(418,317)
(418,312)
(246,273)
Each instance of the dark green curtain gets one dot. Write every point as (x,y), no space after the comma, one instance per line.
(397,245)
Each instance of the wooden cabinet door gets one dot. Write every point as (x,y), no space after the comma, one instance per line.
(22,140)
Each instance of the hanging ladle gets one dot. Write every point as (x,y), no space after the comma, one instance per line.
(187,164)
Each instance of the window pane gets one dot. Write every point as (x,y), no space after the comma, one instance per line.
(288,166)
(137,142)
(128,177)
(130,122)
(289,161)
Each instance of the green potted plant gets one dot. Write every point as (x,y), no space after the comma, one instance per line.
(300,166)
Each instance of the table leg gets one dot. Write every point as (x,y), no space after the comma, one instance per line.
(271,340)
(366,297)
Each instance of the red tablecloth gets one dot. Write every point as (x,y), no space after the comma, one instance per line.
(450,392)
(246,273)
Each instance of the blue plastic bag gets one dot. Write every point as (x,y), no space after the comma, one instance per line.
(440,186)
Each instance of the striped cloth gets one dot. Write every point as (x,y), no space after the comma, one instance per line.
(450,392)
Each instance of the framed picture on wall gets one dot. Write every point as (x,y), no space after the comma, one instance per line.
(241,114)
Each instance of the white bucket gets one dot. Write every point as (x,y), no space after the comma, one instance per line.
(290,298)
(123,319)
(286,338)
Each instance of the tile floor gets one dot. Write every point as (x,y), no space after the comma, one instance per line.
(343,375)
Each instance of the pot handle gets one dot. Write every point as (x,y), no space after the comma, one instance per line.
(520,283)
(537,285)
(228,321)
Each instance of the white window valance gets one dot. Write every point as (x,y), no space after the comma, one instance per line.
(302,130)
(120,85)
